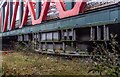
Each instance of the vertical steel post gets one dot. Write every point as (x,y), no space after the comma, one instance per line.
(21,10)
(62,32)
(39,39)
(3,17)
(46,42)
(67,32)
(74,34)
(92,33)
(98,33)
(63,47)
(10,14)
(108,34)
(38,11)
(105,33)
(53,47)
(38,8)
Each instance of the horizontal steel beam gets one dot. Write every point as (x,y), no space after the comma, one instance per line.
(95,18)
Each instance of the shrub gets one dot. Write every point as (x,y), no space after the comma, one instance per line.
(106,58)
(25,46)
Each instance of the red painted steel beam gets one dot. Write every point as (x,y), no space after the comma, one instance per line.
(6,18)
(25,4)
(32,12)
(79,7)
(29,7)
(14,15)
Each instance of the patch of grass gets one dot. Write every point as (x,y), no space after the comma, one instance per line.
(21,63)
(0,63)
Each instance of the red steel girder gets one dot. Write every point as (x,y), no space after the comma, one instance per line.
(79,7)
(29,7)
(14,15)
(6,18)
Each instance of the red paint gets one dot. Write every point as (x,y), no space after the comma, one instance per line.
(78,7)
(60,7)
(30,6)
(14,16)
(5,53)
(6,18)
